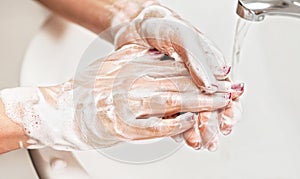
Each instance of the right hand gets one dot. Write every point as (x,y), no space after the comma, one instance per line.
(198,68)
(161,28)
(132,91)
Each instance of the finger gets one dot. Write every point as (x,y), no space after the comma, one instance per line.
(168,38)
(168,103)
(208,126)
(226,86)
(165,82)
(204,102)
(153,127)
(192,137)
(238,90)
(177,138)
(215,58)
(229,117)
(226,125)
(172,81)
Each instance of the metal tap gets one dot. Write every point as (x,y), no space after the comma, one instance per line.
(256,10)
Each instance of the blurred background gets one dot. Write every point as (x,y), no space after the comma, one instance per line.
(20,19)
(263,144)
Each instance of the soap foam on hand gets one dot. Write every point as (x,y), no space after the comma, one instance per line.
(159,27)
(123,97)
(133,94)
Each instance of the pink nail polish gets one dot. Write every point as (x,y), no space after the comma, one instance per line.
(228,96)
(238,87)
(227,69)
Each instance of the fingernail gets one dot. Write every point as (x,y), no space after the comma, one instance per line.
(238,90)
(226,70)
(226,131)
(223,72)
(225,126)
(194,143)
(228,96)
(238,87)
(198,146)
(212,147)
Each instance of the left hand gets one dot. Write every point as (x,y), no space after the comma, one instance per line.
(160,28)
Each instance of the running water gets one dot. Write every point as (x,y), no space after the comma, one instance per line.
(241,30)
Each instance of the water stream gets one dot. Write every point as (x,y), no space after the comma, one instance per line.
(241,30)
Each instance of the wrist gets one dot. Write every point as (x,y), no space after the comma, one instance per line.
(12,134)
(124,11)
(118,14)
(45,115)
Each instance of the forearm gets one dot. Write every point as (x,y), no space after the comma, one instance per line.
(97,15)
(12,135)
(38,117)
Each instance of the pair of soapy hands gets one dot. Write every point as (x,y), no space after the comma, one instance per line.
(164,79)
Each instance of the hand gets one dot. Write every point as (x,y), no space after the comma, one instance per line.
(146,22)
(142,89)
(47,113)
(160,28)
(123,97)
(205,133)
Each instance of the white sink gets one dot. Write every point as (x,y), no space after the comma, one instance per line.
(263,144)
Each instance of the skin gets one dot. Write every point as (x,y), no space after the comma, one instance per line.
(10,133)
(98,15)
(145,87)
(165,93)
(205,64)
(94,15)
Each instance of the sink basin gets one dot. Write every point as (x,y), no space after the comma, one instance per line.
(263,144)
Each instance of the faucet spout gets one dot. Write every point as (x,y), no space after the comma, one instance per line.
(256,10)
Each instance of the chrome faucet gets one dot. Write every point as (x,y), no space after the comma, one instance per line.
(256,10)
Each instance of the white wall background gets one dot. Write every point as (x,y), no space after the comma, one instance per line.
(276,40)
(20,19)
